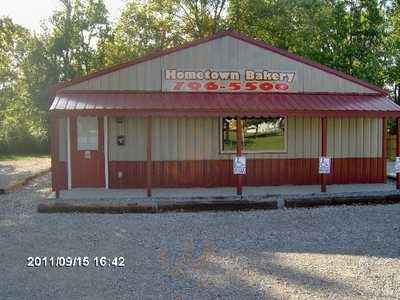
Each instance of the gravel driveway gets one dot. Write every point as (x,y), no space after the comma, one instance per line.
(331,252)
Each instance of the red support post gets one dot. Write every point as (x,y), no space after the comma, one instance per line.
(239,153)
(149,159)
(398,151)
(54,128)
(384,149)
(324,147)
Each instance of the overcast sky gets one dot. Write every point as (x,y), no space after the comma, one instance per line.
(29,13)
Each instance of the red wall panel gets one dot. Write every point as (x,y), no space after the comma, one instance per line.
(357,170)
(58,168)
(133,174)
(214,173)
(59,176)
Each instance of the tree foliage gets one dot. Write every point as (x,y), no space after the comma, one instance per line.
(157,24)
(19,121)
(72,35)
(142,28)
(347,35)
(30,64)
(392,45)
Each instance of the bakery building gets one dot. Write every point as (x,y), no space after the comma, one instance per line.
(223,111)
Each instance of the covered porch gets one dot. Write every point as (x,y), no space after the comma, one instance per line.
(149,106)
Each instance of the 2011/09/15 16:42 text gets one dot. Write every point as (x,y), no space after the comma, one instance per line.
(75,261)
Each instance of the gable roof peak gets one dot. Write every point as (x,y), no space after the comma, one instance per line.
(221,34)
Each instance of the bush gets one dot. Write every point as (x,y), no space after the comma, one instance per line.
(25,144)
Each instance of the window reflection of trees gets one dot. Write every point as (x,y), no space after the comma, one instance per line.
(259,134)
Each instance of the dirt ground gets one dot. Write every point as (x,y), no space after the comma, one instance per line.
(14,171)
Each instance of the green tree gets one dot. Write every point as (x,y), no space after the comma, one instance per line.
(147,26)
(72,34)
(141,28)
(360,32)
(19,122)
(393,48)
(199,18)
(12,52)
(31,64)
(345,34)
(65,49)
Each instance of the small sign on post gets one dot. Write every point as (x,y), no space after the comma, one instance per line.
(324,165)
(397,165)
(239,165)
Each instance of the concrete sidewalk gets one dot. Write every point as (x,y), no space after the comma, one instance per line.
(220,192)
(390,169)
(203,199)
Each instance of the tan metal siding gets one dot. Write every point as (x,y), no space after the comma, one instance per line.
(315,80)
(185,138)
(354,137)
(62,139)
(134,130)
(199,139)
(223,53)
(258,58)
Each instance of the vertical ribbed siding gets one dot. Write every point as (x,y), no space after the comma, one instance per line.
(185,138)
(199,139)
(223,53)
(134,131)
(354,137)
(62,139)
(186,153)
(213,173)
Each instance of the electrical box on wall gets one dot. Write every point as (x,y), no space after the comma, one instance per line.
(120,131)
(121,140)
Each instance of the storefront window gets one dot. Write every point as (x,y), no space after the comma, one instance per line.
(259,134)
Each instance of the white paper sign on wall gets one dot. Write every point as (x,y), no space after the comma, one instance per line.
(239,165)
(397,165)
(324,165)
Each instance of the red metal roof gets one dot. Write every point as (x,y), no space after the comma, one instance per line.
(213,37)
(224,104)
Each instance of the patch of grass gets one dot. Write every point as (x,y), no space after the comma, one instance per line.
(7,156)
(266,142)
(274,142)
